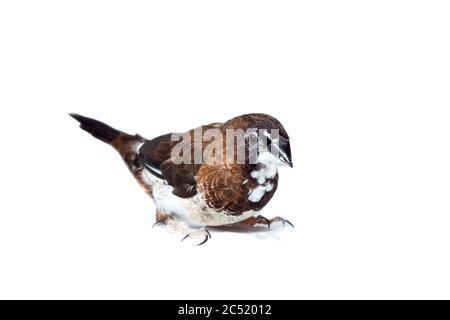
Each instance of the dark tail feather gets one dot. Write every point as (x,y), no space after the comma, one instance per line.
(124,143)
(98,129)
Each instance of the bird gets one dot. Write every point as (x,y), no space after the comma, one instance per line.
(219,174)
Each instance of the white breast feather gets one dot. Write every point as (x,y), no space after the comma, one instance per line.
(191,210)
(266,172)
(257,193)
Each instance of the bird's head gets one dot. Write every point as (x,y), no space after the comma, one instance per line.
(271,139)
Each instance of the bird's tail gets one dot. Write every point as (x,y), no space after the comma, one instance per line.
(96,128)
(127,145)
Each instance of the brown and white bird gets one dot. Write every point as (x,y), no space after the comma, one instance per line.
(217,190)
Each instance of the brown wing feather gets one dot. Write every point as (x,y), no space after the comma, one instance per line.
(156,157)
(227,188)
(154,152)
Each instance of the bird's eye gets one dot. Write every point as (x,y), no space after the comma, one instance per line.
(252,139)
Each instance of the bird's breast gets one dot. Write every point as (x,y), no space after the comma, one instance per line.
(193,210)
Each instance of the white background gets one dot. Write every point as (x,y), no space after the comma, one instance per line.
(362,87)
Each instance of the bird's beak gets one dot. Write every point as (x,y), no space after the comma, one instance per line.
(286,161)
(290,164)
(285,154)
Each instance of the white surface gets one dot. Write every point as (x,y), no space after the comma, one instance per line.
(362,88)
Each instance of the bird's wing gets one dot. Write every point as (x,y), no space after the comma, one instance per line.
(156,155)
(154,152)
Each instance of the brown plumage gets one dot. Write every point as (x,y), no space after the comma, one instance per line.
(203,193)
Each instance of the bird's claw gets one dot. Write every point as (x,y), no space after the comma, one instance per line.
(207,236)
(163,221)
(261,219)
(206,239)
(288,222)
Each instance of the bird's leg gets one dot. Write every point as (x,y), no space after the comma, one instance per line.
(174,225)
(161,217)
(256,220)
(253,221)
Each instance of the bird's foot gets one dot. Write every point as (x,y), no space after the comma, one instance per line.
(258,220)
(202,233)
(282,220)
(172,224)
